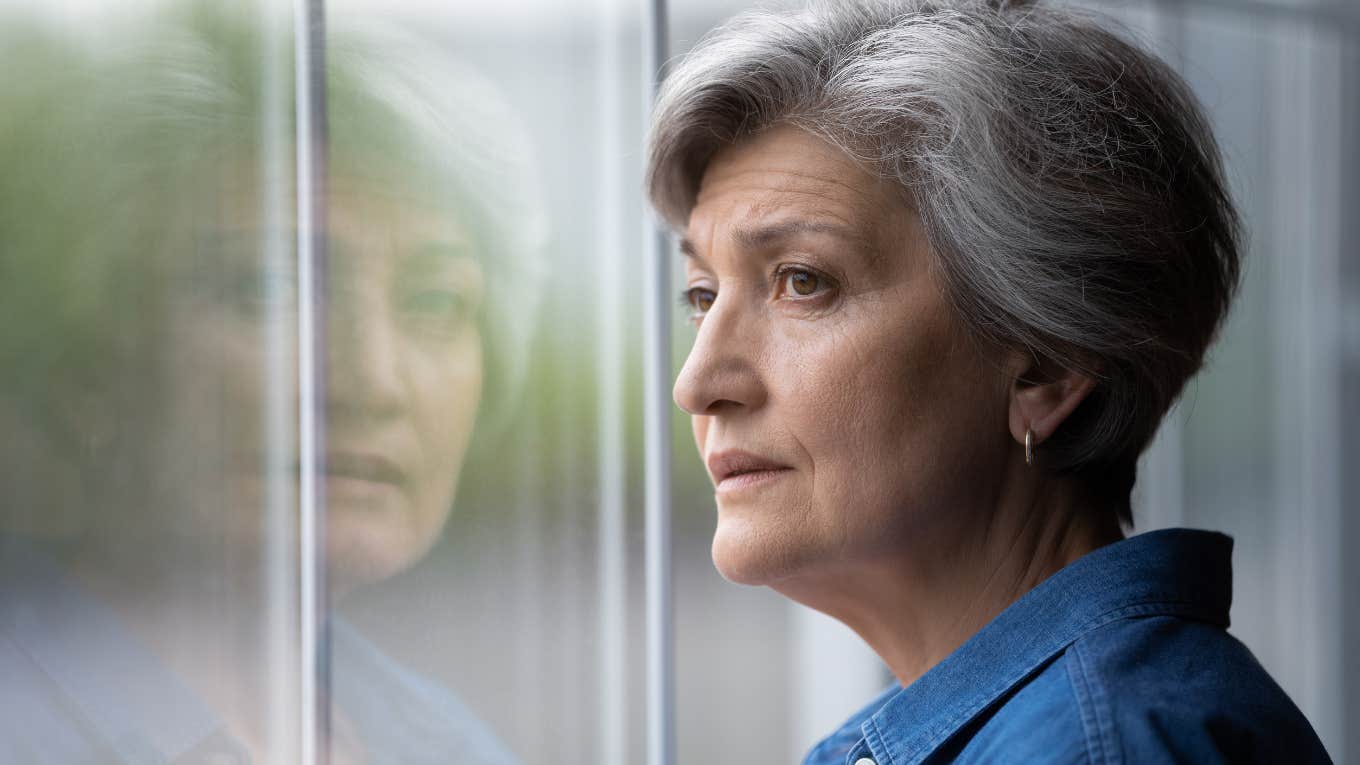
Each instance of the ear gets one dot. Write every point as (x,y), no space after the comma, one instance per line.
(1043,395)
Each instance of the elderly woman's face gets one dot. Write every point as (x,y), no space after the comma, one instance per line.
(837,403)
(403,377)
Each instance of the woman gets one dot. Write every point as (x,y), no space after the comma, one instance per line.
(149,254)
(950,263)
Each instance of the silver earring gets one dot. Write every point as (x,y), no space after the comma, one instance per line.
(1029,446)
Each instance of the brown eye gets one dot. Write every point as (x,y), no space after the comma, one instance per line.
(699,299)
(802,283)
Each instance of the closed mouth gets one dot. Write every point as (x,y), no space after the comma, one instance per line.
(368,468)
(749,479)
(742,467)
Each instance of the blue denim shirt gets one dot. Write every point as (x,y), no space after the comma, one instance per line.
(1123,656)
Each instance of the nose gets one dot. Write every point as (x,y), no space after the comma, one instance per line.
(721,374)
(363,374)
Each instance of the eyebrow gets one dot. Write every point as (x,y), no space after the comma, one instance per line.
(767,235)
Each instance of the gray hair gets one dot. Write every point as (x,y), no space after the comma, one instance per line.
(1067,180)
(121,141)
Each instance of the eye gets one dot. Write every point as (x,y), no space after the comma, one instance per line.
(433,303)
(436,311)
(698,300)
(801,283)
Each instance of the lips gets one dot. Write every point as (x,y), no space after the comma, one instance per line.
(372,468)
(738,467)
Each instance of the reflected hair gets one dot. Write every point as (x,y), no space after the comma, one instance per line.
(1067,180)
(113,149)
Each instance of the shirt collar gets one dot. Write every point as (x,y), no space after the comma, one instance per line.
(144,714)
(136,706)
(1176,572)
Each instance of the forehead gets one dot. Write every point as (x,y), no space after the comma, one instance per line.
(370,210)
(785,173)
(356,207)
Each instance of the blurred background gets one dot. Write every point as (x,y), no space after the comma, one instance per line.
(479,328)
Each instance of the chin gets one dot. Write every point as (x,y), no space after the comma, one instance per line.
(360,556)
(746,554)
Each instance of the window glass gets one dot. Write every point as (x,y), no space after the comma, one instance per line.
(148,606)
(474,215)
(475,261)
(518,127)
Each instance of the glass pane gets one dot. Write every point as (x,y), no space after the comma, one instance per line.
(147,456)
(1263,455)
(483,167)
(477,219)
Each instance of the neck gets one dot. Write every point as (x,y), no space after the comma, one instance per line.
(916,606)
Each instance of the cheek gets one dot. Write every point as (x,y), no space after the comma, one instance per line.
(463,385)
(892,396)
(449,390)
(444,392)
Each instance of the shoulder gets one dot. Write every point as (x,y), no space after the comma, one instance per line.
(37,723)
(1039,721)
(405,717)
(1146,689)
(1167,688)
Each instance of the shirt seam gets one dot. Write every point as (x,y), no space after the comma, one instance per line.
(874,740)
(1090,697)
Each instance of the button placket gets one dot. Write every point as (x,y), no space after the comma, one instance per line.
(860,754)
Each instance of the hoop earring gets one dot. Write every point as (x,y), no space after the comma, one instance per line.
(1029,446)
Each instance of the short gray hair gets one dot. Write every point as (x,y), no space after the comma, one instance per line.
(1067,180)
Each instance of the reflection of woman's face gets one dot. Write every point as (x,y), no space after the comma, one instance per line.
(403,377)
